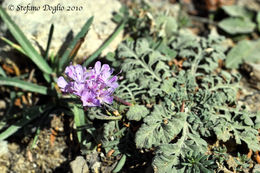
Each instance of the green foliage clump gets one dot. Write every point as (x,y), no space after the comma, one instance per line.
(183,106)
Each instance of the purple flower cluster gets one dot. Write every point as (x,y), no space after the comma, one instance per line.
(94,86)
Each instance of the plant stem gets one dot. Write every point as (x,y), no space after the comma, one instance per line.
(122,101)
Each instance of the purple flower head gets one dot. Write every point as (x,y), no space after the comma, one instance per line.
(94,86)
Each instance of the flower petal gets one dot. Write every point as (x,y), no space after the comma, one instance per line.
(88,98)
(105,96)
(69,71)
(78,88)
(108,99)
(76,72)
(113,82)
(97,67)
(62,83)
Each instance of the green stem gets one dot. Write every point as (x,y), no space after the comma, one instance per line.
(105,117)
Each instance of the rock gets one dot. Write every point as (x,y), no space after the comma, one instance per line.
(251,4)
(94,161)
(256,168)
(252,70)
(2,104)
(35,18)
(79,165)
(3,147)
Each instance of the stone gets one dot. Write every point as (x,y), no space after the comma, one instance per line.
(250,4)
(79,165)
(2,104)
(3,148)
(256,168)
(34,17)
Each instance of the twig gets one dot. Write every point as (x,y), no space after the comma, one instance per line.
(183,106)
(203,20)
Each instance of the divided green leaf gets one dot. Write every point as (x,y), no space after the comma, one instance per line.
(160,127)
(137,112)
